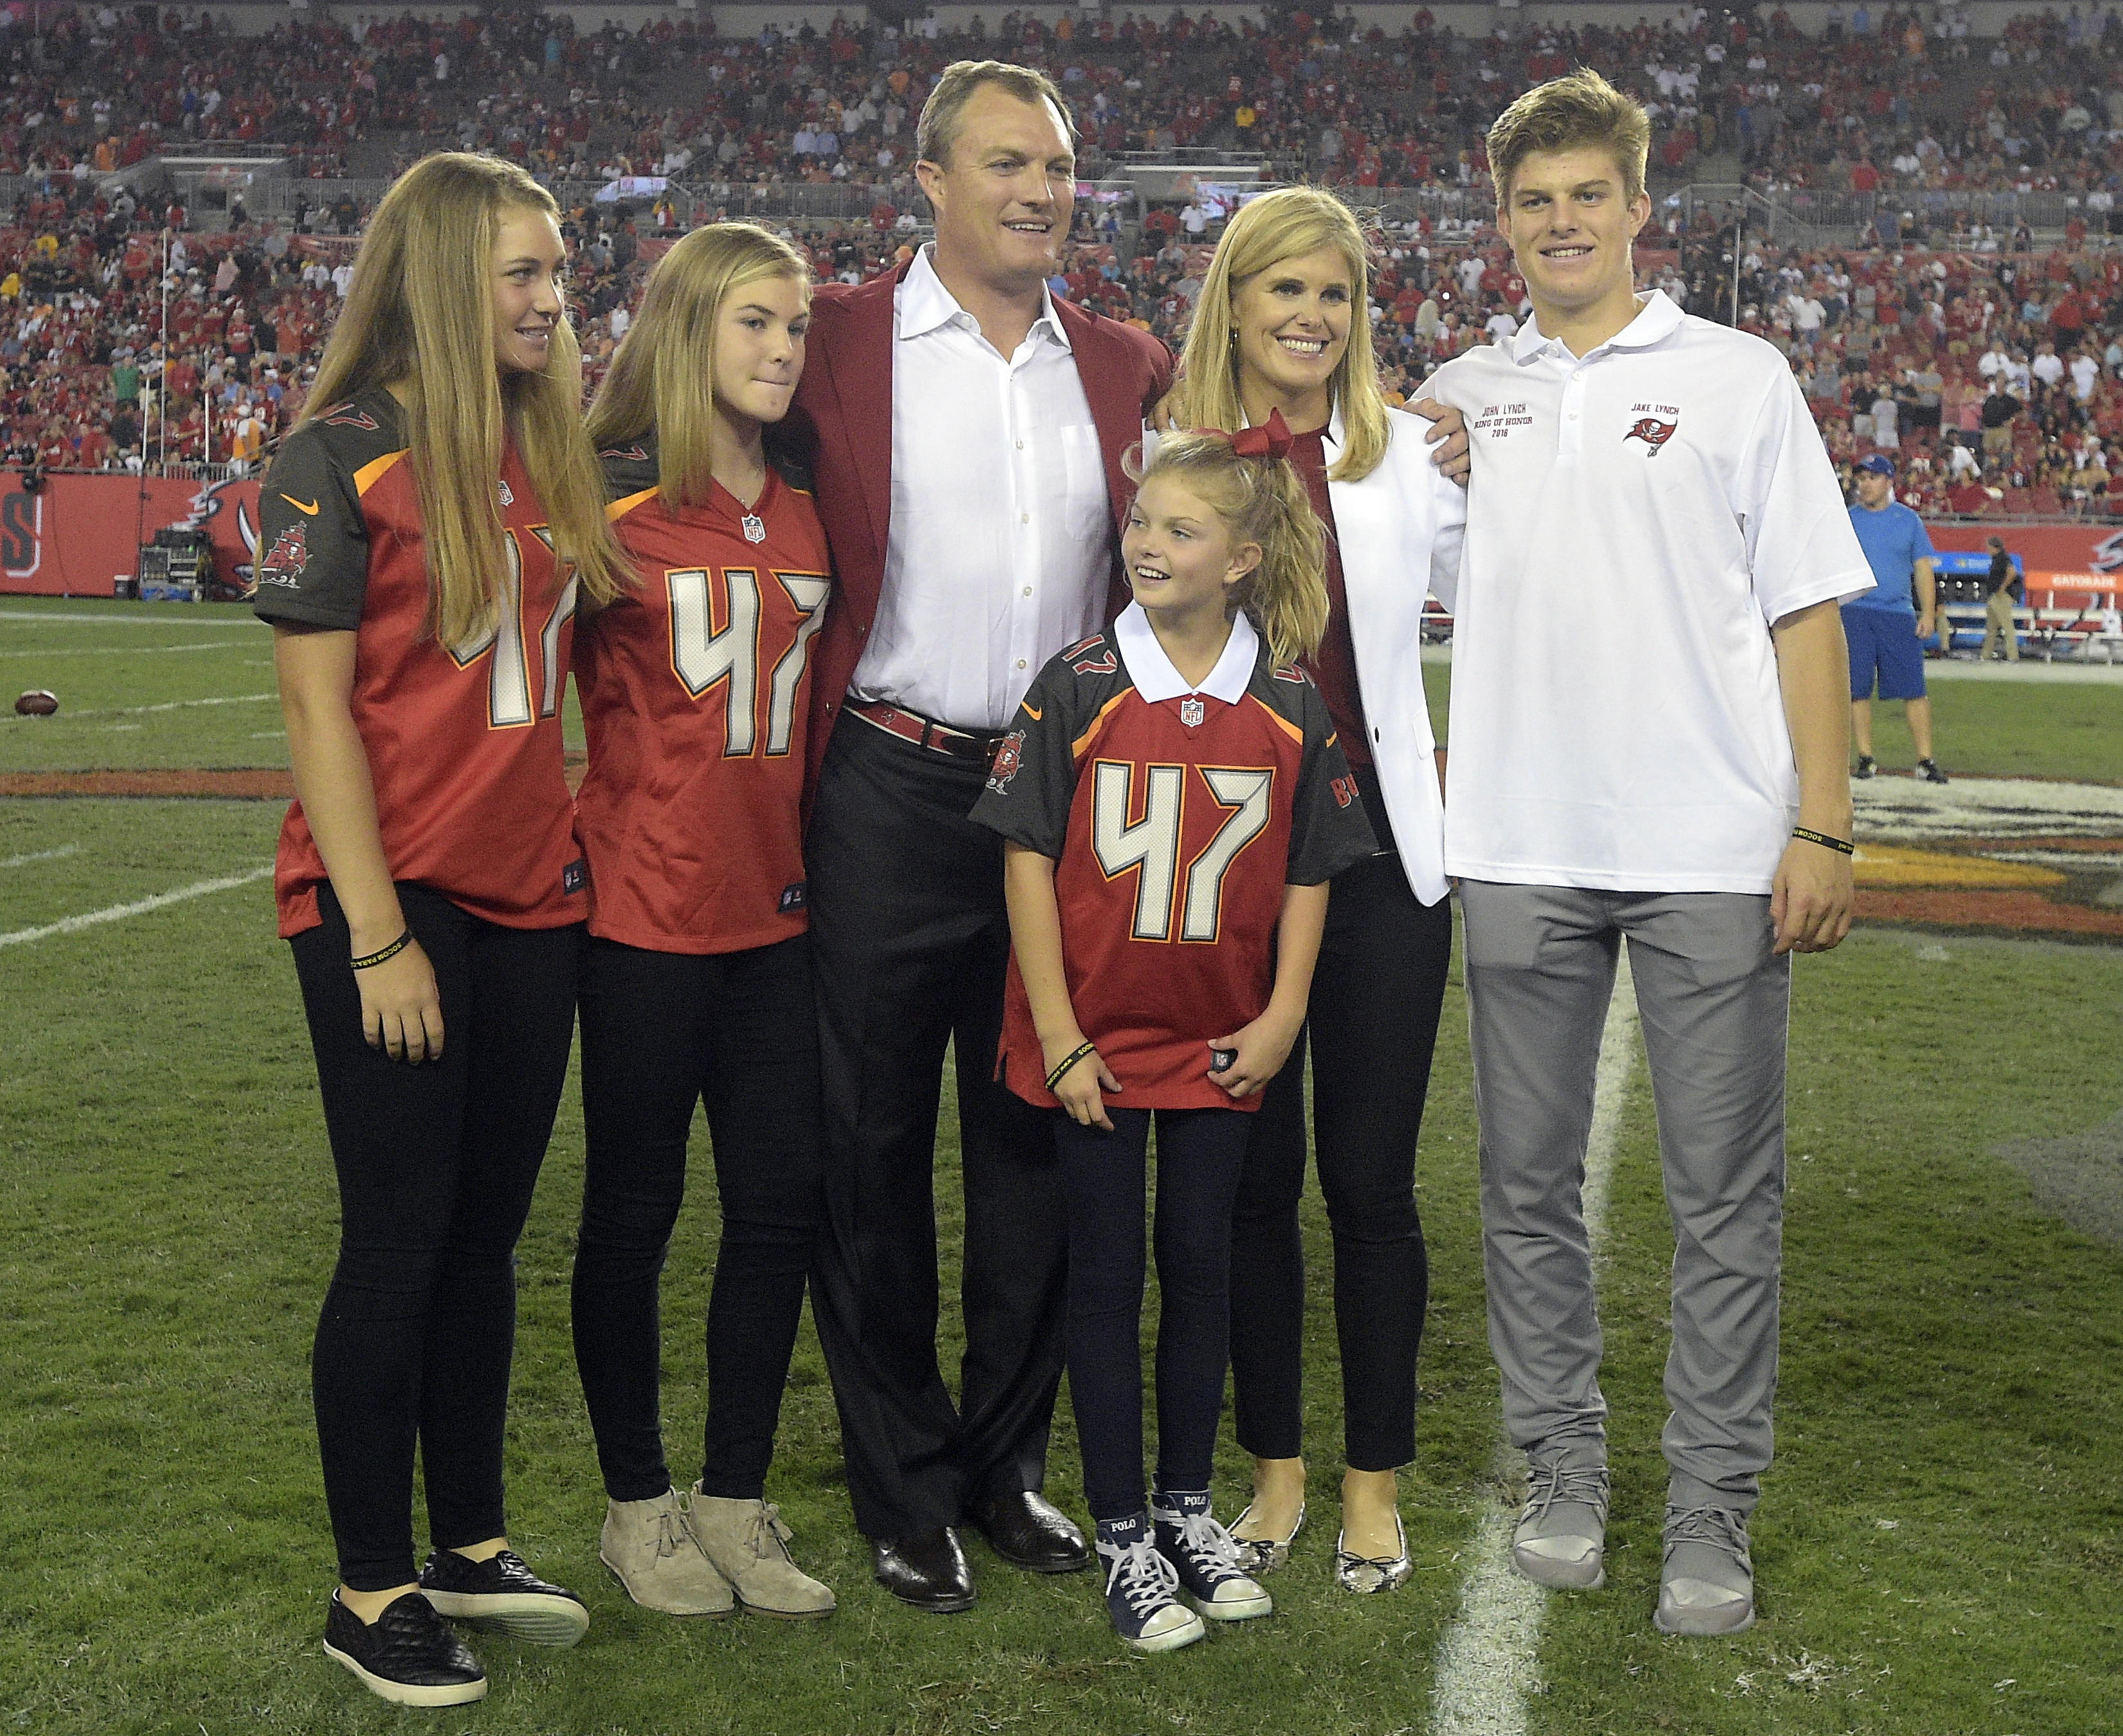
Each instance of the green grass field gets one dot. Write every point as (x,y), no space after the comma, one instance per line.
(1940,1547)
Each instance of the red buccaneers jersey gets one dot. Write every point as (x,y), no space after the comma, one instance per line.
(694,687)
(463,741)
(1175,827)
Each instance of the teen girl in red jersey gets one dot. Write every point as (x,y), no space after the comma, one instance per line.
(427,530)
(1174,801)
(697,979)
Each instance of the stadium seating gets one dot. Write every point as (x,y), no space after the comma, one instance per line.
(812,129)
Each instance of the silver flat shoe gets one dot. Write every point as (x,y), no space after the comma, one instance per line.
(1257,1555)
(1359,1574)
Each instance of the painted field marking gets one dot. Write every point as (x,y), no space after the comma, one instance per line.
(135,711)
(1488,1662)
(24,861)
(215,644)
(139,907)
(130,621)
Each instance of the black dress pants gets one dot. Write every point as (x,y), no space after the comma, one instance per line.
(909,939)
(1372,1026)
(436,1168)
(662,1032)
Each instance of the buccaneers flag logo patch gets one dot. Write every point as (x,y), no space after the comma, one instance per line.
(1009,760)
(284,564)
(1653,433)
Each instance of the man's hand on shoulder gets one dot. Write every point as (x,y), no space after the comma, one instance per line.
(1448,433)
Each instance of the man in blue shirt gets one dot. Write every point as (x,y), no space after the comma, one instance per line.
(1885,628)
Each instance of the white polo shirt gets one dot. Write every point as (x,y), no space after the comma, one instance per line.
(1636,520)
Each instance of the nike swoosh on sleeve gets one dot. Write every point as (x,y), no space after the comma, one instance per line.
(311,509)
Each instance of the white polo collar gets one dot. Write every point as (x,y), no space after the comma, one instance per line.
(925,305)
(1157,681)
(1657,318)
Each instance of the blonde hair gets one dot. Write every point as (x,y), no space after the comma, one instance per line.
(420,314)
(1260,501)
(1285,224)
(937,131)
(663,376)
(1579,109)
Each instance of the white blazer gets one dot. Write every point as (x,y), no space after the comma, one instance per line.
(1399,532)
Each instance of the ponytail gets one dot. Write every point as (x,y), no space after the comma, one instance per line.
(1259,499)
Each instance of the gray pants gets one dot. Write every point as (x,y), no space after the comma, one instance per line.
(1714,1003)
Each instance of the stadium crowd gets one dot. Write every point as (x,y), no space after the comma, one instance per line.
(129,332)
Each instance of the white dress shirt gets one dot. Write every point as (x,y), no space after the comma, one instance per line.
(1001,530)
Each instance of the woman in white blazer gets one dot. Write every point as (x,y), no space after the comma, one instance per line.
(1283,324)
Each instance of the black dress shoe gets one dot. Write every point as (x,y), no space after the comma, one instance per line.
(1028,1532)
(927,1568)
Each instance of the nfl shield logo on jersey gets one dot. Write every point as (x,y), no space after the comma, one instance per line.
(1190,712)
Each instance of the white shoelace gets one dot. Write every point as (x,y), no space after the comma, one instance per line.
(1144,1577)
(1212,1549)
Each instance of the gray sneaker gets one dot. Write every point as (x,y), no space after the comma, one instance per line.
(1561,1539)
(749,1545)
(1707,1585)
(647,1546)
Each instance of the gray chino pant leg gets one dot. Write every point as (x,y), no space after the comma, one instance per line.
(1715,1005)
(1540,971)
(1714,1002)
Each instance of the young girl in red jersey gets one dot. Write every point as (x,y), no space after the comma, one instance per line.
(697,979)
(426,532)
(1173,802)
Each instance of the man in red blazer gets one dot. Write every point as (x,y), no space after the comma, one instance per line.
(965,431)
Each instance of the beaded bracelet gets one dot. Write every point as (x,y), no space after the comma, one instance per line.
(392,950)
(1841,846)
(1075,1055)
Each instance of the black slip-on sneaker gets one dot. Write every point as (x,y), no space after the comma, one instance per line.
(503,1596)
(408,1656)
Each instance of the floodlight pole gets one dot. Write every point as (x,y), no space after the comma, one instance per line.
(162,385)
(1739,247)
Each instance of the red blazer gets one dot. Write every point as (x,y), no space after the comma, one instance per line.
(841,425)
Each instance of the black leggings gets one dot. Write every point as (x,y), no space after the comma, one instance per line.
(1103,1177)
(661,1031)
(436,1167)
(1372,1026)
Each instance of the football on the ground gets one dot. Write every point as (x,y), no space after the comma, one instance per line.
(38,702)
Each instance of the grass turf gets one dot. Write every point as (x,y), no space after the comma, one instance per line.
(168,686)
(1947,1419)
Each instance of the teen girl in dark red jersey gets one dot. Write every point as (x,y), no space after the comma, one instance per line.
(1174,801)
(427,531)
(697,981)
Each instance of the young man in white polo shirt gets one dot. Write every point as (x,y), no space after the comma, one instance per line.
(1649,726)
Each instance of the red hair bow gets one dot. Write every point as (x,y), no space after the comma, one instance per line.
(1270,439)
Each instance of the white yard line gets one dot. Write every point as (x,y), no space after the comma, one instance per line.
(139,907)
(211,644)
(134,711)
(24,861)
(129,620)
(1488,1661)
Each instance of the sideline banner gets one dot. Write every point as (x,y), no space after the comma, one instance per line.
(2054,557)
(81,531)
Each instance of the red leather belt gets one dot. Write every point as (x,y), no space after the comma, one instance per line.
(922,731)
